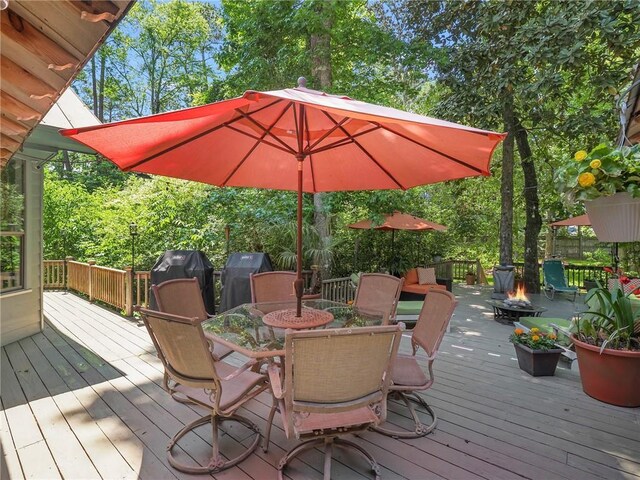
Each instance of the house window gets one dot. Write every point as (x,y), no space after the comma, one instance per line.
(12,207)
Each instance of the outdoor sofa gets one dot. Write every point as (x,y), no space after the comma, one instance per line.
(413,290)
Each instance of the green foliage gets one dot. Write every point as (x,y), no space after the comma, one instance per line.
(603,171)
(562,63)
(267,46)
(11,198)
(159,59)
(611,321)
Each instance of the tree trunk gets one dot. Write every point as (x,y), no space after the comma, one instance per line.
(103,67)
(534,221)
(506,187)
(550,238)
(94,87)
(320,50)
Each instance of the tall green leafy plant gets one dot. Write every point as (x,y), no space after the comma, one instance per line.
(612,321)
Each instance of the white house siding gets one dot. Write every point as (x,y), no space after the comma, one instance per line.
(21,311)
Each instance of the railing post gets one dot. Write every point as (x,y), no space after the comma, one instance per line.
(91,263)
(65,272)
(128,294)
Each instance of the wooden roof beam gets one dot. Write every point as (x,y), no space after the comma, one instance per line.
(96,7)
(10,127)
(13,27)
(24,86)
(18,110)
(9,143)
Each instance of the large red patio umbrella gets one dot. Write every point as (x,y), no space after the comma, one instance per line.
(295,139)
(399,221)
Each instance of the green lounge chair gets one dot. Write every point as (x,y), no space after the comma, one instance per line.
(555,279)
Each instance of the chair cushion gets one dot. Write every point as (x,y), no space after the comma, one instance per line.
(329,421)
(232,390)
(421,289)
(407,372)
(409,307)
(426,276)
(411,277)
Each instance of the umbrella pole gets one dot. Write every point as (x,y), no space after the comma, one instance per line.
(393,251)
(299,284)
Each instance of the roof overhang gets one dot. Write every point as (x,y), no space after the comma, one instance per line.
(45,139)
(45,44)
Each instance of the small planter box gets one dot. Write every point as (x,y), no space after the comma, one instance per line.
(538,363)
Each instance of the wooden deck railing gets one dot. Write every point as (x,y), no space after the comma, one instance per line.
(142,283)
(78,276)
(338,289)
(576,274)
(54,273)
(122,289)
(458,269)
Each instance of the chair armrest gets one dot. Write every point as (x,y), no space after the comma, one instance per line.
(274,379)
(240,370)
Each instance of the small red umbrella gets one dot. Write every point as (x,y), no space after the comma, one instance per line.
(399,221)
(580,221)
(295,139)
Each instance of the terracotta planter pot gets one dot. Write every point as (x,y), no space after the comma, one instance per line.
(471,279)
(615,218)
(611,377)
(538,363)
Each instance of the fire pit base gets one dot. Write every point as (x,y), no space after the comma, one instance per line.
(506,314)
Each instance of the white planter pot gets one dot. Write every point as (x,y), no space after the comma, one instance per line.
(615,218)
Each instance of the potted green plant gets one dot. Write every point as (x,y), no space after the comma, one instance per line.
(607,342)
(470,277)
(607,179)
(537,352)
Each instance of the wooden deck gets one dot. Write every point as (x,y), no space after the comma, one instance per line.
(83,400)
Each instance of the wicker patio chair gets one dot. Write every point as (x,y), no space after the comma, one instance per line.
(317,405)
(408,377)
(182,297)
(378,292)
(273,287)
(194,373)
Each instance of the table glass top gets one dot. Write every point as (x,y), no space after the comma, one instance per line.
(245,327)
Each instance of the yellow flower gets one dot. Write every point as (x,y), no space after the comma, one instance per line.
(595,163)
(535,330)
(535,338)
(552,336)
(580,155)
(586,179)
(518,331)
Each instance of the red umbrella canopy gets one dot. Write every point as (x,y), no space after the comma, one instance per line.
(400,221)
(253,141)
(581,221)
(295,139)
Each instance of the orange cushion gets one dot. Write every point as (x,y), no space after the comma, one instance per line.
(417,288)
(411,277)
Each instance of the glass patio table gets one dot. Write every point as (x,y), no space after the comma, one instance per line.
(257,330)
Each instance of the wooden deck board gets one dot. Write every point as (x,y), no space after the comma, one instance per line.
(84,399)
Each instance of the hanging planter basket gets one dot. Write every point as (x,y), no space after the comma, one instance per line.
(615,218)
